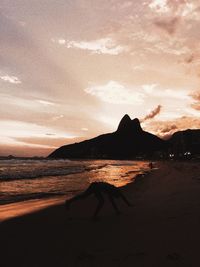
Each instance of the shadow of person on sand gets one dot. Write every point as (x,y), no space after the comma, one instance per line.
(98,189)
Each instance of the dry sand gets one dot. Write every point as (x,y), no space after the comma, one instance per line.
(161,229)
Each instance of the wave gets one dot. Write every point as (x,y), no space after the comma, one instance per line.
(34,170)
(38,174)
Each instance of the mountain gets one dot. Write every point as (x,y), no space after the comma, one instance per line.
(128,141)
(185,143)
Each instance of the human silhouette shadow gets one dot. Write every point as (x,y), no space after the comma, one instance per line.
(151,165)
(98,189)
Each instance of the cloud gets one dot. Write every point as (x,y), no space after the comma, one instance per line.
(159,6)
(62,41)
(187,9)
(50,134)
(168,128)
(126,4)
(196,96)
(23,150)
(169,25)
(149,88)
(58,117)
(138,67)
(171,13)
(155,91)
(45,102)
(100,46)
(84,129)
(196,106)
(189,59)
(15,129)
(177,49)
(48,141)
(165,129)
(181,8)
(10,79)
(153,113)
(115,93)
(58,41)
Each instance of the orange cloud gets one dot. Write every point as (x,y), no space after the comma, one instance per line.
(153,113)
(165,129)
(196,97)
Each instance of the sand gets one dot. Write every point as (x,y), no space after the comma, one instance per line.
(161,229)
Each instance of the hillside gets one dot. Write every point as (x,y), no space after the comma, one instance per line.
(128,141)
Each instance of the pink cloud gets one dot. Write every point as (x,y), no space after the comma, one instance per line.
(153,113)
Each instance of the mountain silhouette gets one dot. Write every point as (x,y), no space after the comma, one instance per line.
(127,125)
(127,142)
(185,143)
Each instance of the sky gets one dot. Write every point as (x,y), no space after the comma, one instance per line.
(71,69)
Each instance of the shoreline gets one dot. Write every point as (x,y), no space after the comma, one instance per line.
(161,229)
(21,208)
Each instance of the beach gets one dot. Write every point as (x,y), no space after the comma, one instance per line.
(160,229)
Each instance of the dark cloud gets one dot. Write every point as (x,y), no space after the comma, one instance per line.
(189,59)
(153,113)
(168,25)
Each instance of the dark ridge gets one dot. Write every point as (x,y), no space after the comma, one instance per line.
(185,143)
(128,142)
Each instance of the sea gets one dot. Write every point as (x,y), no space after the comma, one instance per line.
(35,181)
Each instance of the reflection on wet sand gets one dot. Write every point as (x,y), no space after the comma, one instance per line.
(9,211)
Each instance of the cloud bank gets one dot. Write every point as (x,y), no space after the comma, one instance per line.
(115,93)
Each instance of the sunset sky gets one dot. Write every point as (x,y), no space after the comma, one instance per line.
(70,69)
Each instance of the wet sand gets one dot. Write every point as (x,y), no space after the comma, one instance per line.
(161,229)
(17,209)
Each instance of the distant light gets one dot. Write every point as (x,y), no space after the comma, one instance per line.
(187,153)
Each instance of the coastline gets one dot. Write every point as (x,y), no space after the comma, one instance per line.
(161,229)
(28,206)
(22,208)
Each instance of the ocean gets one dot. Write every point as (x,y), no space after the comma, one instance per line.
(22,180)
(27,180)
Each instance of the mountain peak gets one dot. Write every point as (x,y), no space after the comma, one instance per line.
(136,124)
(124,123)
(127,125)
